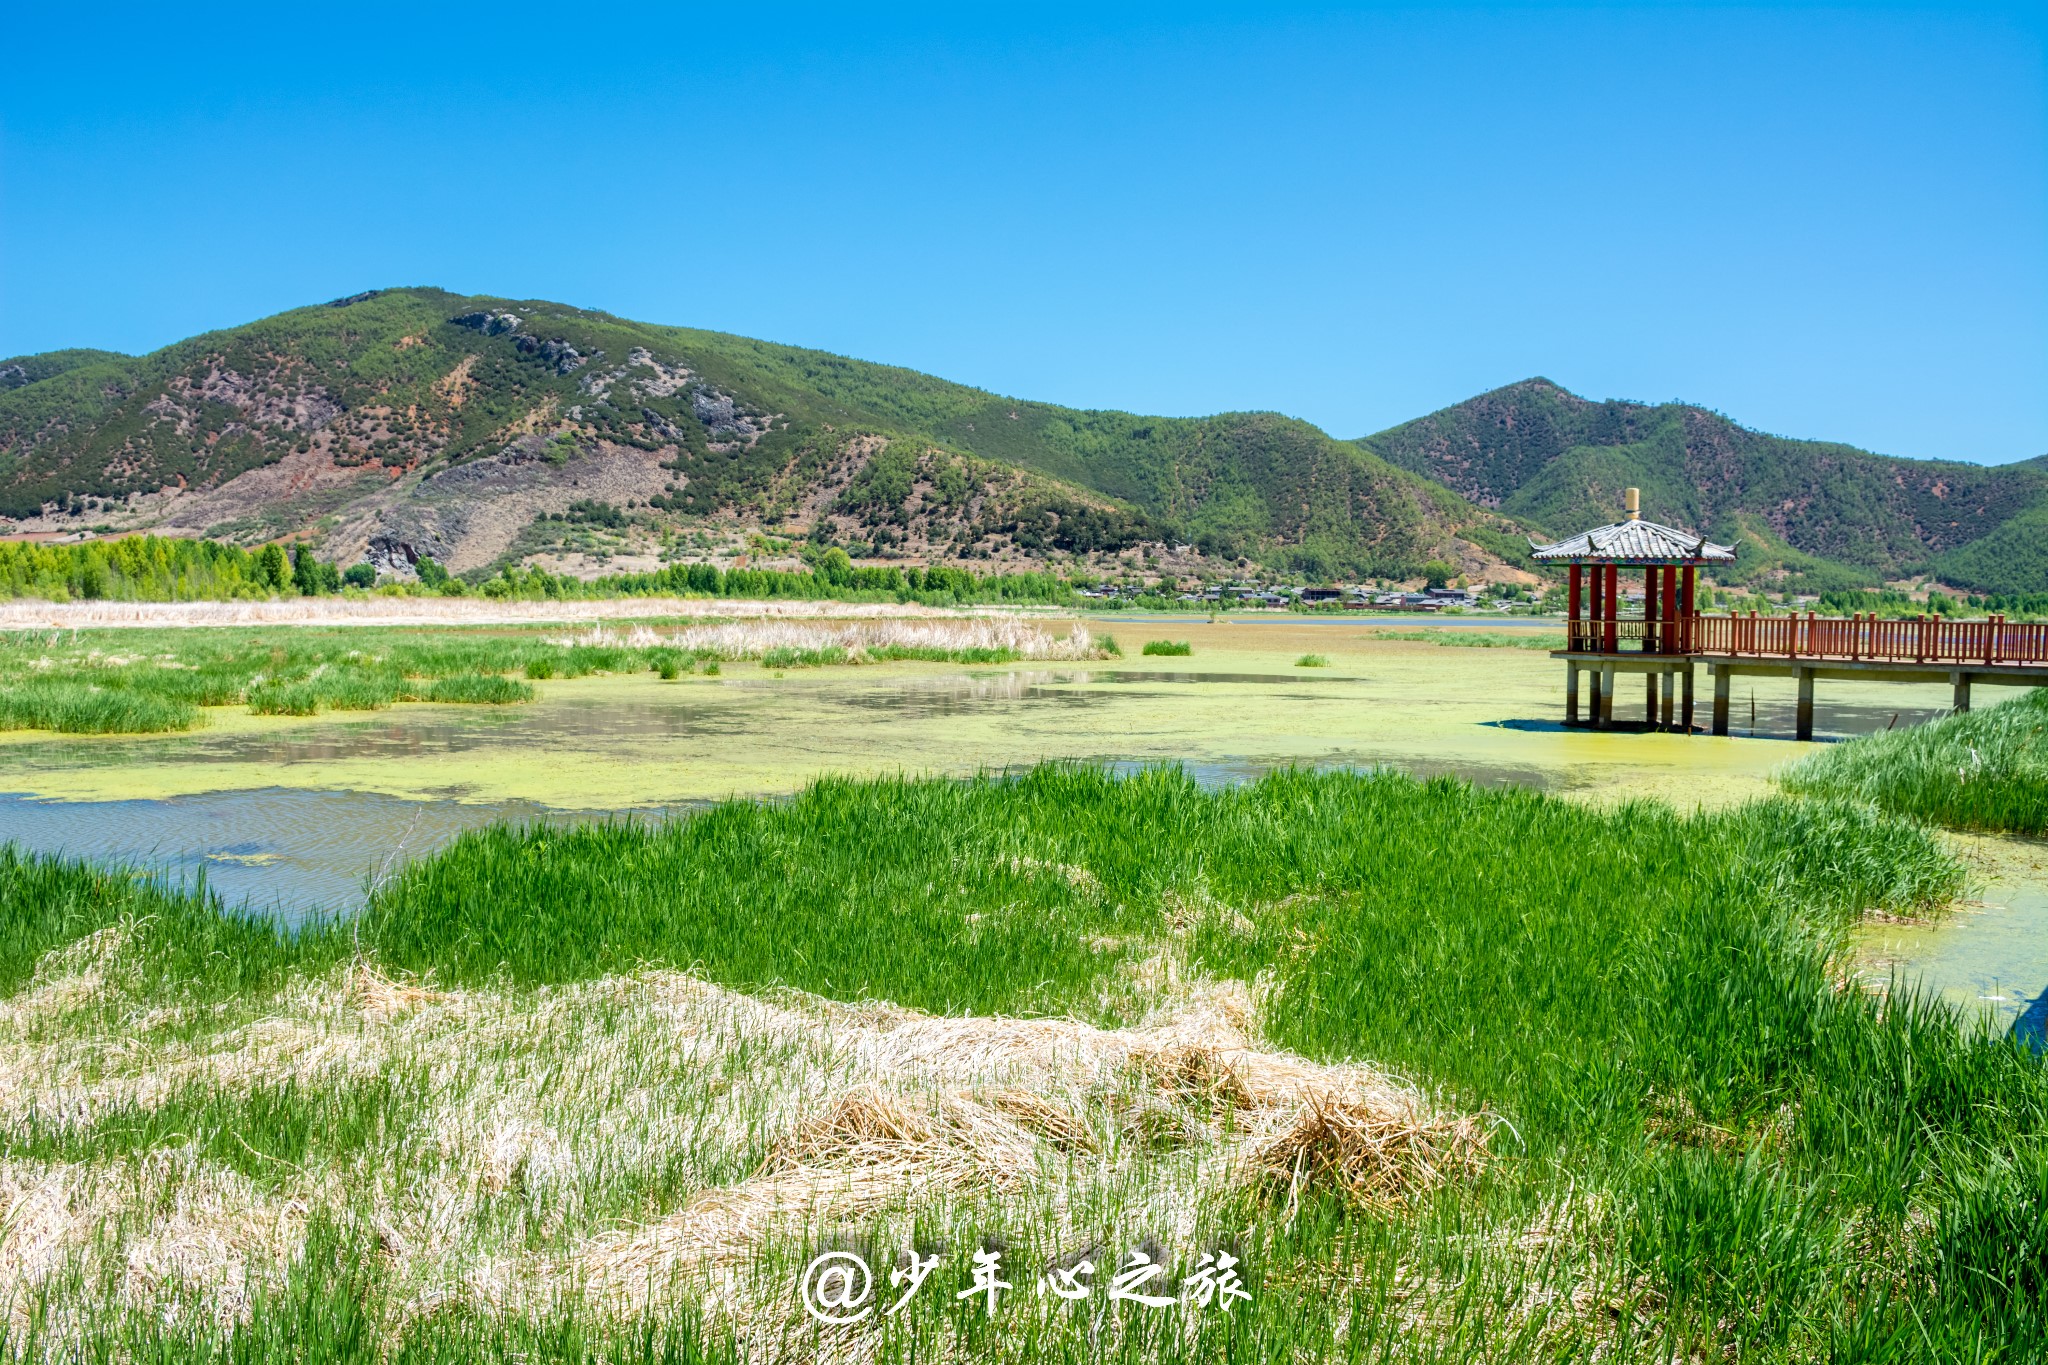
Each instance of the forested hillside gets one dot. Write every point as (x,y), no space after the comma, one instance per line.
(1830,515)
(413,423)
(410,423)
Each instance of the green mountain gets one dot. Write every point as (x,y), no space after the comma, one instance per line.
(1821,514)
(412,422)
(19,371)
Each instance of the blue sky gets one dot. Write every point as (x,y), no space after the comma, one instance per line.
(1827,222)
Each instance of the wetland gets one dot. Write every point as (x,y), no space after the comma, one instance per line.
(595,1009)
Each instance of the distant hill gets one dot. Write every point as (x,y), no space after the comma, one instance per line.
(1828,515)
(411,422)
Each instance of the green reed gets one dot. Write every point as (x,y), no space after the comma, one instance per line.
(1976,770)
(1698,1125)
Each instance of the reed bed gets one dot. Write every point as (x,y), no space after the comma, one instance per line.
(1168,648)
(1985,770)
(142,682)
(1456,1074)
(797,643)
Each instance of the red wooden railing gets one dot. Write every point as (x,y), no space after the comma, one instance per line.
(1925,639)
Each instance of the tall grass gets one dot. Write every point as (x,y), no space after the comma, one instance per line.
(83,707)
(1978,770)
(139,682)
(1707,1146)
(1168,648)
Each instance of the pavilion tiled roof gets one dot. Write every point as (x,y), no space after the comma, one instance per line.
(1636,541)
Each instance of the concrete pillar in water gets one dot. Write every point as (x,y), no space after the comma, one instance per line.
(1962,690)
(1571,685)
(1667,684)
(1650,700)
(1722,678)
(1805,723)
(1606,697)
(1685,700)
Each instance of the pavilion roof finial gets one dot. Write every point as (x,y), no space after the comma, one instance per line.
(1632,499)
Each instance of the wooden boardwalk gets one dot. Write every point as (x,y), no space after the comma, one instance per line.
(1919,640)
(1806,647)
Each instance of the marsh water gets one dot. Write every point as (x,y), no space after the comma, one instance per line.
(297,815)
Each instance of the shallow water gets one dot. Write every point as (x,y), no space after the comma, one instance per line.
(1990,958)
(279,851)
(293,813)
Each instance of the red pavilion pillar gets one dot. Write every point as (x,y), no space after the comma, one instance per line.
(1609,585)
(1691,590)
(1571,615)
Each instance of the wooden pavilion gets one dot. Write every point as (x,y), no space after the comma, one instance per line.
(1671,636)
(1659,641)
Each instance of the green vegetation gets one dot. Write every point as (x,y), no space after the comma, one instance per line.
(1983,769)
(1702,1144)
(421,380)
(160,679)
(140,568)
(1312,661)
(1168,648)
(415,379)
(1894,604)
(89,706)
(1829,515)
(164,569)
(1477,639)
(129,681)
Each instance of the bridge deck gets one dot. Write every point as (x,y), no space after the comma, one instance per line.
(1853,639)
(1669,679)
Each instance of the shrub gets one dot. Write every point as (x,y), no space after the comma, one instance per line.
(1171,648)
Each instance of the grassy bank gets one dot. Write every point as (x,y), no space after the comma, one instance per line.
(152,681)
(1984,770)
(572,1092)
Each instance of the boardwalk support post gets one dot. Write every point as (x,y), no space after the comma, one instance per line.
(1571,685)
(1722,679)
(1606,717)
(1685,699)
(1804,730)
(1961,680)
(1667,683)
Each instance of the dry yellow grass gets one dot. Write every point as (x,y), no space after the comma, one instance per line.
(752,639)
(531,1109)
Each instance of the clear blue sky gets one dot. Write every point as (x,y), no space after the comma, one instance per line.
(1822,222)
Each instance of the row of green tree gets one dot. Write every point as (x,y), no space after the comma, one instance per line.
(1891,602)
(167,569)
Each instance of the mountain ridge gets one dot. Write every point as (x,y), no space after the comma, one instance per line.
(412,422)
(415,421)
(1824,513)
